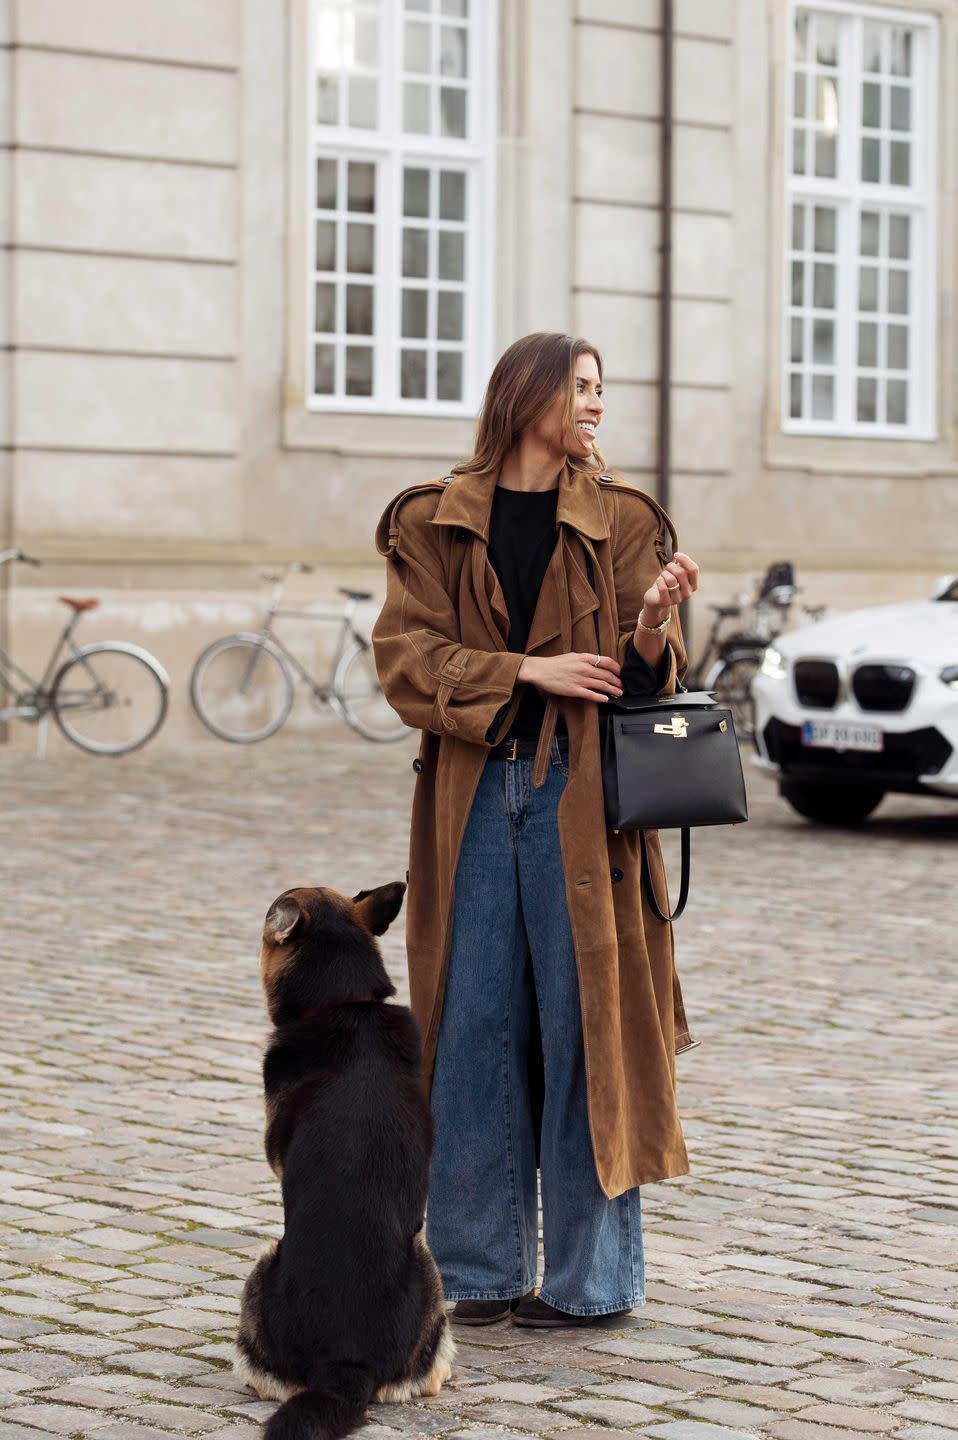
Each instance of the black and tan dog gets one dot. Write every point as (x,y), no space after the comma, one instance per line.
(347,1307)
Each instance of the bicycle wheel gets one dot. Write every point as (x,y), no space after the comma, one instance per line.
(110,699)
(362,701)
(241,689)
(731,679)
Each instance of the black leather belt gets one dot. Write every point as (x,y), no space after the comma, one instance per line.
(522,748)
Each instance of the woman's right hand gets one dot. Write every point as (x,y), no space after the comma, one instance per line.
(574,674)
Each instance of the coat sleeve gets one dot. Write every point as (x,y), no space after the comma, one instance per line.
(429,677)
(636,561)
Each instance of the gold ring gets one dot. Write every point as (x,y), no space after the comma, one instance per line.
(598,657)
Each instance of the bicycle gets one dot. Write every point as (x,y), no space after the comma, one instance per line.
(728,666)
(242,685)
(108,698)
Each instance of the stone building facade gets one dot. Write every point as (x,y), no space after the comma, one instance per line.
(259,255)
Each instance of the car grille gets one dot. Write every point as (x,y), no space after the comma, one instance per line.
(903,758)
(883,687)
(816,683)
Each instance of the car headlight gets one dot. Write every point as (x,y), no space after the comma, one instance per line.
(950,676)
(773,664)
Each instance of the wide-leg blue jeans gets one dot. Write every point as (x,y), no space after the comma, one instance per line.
(511,948)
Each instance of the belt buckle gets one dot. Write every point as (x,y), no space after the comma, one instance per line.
(514,742)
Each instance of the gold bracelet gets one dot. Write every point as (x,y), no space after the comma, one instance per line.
(653,629)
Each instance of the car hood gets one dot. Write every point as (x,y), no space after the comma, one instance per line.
(923,631)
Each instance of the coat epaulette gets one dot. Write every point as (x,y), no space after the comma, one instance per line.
(666,541)
(386,530)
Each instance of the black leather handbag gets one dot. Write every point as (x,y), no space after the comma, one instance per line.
(669,762)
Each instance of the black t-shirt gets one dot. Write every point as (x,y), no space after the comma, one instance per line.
(522,539)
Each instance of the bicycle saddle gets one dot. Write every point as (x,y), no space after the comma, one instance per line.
(355,594)
(78,605)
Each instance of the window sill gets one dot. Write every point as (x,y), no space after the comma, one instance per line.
(856,454)
(390,436)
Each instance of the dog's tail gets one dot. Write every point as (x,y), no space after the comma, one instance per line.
(332,1407)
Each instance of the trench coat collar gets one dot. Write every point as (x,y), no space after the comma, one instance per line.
(467,501)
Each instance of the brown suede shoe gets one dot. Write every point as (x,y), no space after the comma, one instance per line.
(486,1312)
(536,1312)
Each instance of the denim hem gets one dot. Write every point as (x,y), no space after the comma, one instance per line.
(487,1294)
(607,1309)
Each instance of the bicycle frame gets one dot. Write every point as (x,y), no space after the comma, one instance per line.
(344,614)
(37,691)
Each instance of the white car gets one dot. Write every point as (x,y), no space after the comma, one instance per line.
(861,705)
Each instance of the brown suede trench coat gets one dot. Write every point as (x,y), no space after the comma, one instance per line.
(441,651)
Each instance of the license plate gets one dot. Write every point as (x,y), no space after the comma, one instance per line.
(842,735)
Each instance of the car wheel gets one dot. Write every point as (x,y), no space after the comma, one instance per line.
(832,804)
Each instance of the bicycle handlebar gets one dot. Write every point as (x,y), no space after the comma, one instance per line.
(7,555)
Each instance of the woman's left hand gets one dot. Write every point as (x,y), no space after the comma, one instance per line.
(677,582)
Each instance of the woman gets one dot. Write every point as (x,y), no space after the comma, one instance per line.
(518,895)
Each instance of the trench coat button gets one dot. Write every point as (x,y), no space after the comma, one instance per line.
(417,765)
(616,874)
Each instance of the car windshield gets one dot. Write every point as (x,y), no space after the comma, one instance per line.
(952,592)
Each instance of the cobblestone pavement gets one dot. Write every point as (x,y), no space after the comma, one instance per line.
(801,1281)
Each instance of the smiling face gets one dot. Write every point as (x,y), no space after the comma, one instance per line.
(575,438)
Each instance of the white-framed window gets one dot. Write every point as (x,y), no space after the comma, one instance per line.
(401,204)
(861,138)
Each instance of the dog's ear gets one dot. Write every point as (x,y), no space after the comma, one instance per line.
(281,920)
(375,910)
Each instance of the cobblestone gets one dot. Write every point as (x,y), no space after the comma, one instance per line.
(801,1279)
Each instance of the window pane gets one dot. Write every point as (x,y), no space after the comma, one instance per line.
(896,402)
(825,227)
(412,380)
(824,287)
(798,153)
(452,255)
(798,274)
(414,311)
(901,52)
(359,369)
(823,342)
(871,106)
(823,387)
(415,253)
(867,345)
(415,109)
(871,160)
(325,368)
(449,375)
(801,36)
(825,156)
(361,186)
(326,184)
(898,292)
(900,108)
(455,7)
(799,98)
(449,315)
(359,309)
(452,195)
(362,102)
(868,288)
(328,38)
(359,249)
(324,317)
(327,99)
(826,40)
(867,407)
(798,227)
(417,57)
(872,55)
(898,347)
(797,340)
(899,247)
(826,103)
(900,162)
(415,192)
(452,52)
(325,245)
(795,396)
(870,233)
(367,40)
(453,112)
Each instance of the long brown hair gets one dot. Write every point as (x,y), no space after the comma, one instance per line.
(525,382)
